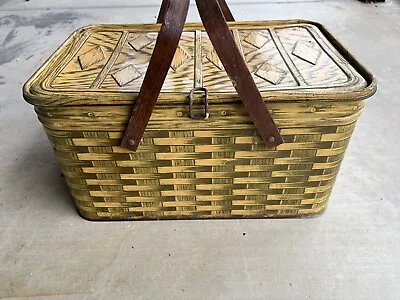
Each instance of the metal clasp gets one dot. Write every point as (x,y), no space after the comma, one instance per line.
(206,112)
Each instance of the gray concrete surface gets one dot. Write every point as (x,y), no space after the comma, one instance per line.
(48,252)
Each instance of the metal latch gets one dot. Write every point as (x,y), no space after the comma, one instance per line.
(206,112)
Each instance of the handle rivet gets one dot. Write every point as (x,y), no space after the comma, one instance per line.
(131,142)
(271,139)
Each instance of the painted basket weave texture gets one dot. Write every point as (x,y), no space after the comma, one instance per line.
(215,168)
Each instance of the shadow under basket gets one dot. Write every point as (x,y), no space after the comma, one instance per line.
(187,168)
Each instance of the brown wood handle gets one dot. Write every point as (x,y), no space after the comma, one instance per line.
(235,66)
(226,11)
(161,59)
(222,4)
(173,14)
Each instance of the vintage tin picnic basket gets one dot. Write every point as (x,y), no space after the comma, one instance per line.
(203,156)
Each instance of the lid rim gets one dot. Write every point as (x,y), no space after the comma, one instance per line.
(35,93)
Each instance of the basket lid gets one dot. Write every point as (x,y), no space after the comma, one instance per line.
(289,60)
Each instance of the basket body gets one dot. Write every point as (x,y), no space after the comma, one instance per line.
(215,168)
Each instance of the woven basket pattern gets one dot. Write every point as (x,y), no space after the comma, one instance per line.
(220,171)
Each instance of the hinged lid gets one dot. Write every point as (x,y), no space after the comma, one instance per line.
(289,60)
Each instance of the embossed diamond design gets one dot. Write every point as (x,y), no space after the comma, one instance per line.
(180,59)
(212,56)
(271,73)
(140,42)
(256,39)
(91,57)
(126,75)
(306,52)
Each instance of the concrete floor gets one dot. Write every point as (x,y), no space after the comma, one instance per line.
(48,252)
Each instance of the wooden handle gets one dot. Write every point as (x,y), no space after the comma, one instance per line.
(235,66)
(222,4)
(213,13)
(161,59)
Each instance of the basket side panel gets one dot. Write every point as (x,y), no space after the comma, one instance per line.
(196,169)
